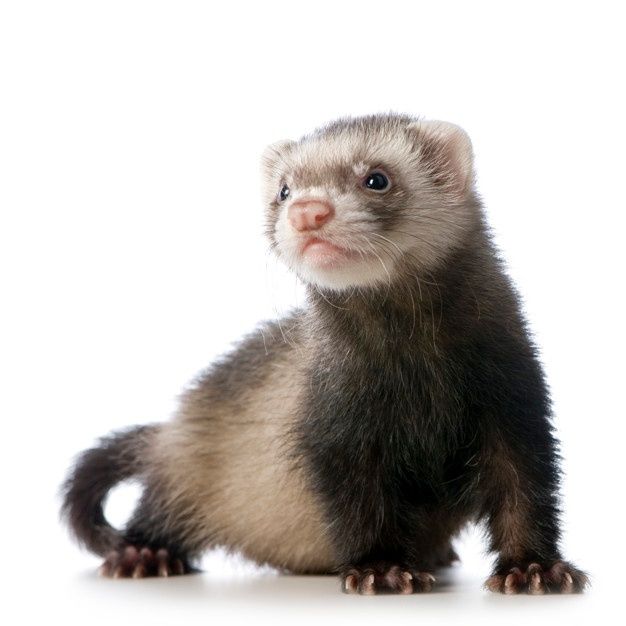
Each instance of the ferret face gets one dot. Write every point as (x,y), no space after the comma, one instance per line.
(354,201)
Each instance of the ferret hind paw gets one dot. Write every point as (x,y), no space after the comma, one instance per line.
(535,579)
(378,578)
(142,562)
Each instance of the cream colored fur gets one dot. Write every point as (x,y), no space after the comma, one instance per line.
(231,464)
(430,166)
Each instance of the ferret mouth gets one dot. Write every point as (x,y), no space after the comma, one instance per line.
(323,253)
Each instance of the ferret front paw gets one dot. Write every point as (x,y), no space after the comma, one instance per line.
(133,562)
(560,577)
(375,578)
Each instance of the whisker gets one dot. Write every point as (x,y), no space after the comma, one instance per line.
(388,241)
(426,243)
(421,218)
(384,266)
(327,300)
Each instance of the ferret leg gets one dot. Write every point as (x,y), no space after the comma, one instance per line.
(391,563)
(134,561)
(384,577)
(522,515)
(411,573)
(410,551)
(153,544)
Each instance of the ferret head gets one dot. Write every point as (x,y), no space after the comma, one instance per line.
(350,204)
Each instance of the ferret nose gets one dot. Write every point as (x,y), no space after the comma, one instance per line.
(310,213)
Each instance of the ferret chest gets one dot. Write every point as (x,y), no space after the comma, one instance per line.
(395,422)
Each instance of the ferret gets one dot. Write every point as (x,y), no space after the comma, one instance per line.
(360,434)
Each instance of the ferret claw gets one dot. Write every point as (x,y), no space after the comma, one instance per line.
(134,563)
(535,579)
(385,578)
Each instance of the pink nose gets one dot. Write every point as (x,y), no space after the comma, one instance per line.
(310,213)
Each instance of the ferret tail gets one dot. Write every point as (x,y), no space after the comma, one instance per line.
(117,457)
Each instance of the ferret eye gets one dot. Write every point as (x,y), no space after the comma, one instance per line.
(376,181)
(283,194)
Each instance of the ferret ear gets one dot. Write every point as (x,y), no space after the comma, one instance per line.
(447,150)
(273,154)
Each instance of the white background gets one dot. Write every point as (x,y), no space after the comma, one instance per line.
(131,253)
